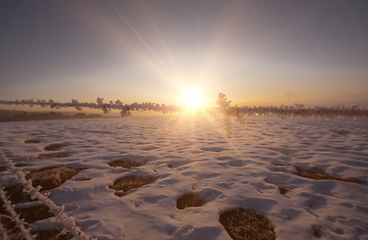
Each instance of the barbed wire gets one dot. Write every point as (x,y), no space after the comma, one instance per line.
(19,223)
(125,109)
(297,110)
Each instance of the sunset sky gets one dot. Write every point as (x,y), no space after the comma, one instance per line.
(256,52)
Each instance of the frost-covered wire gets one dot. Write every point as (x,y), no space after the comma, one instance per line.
(14,217)
(125,109)
(297,110)
(68,223)
(227,127)
(224,108)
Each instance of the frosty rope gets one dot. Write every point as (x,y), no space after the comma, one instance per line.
(15,217)
(67,222)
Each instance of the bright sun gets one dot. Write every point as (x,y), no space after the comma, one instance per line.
(193,99)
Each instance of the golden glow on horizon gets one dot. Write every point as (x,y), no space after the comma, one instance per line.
(193,99)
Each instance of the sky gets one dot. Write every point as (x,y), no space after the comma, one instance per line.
(259,52)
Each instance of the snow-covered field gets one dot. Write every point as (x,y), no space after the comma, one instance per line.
(191,154)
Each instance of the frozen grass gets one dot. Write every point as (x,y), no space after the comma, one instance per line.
(189,200)
(52,155)
(16,195)
(316,228)
(53,234)
(11,218)
(11,230)
(31,141)
(34,213)
(282,190)
(31,216)
(54,147)
(67,223)
(242,224)
(53,177)
(124,163)
(319,174)
(343,133)
(131,182)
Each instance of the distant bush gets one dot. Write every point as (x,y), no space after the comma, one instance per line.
(80,115)
(95,115)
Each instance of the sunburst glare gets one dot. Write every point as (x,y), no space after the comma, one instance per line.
(193,99)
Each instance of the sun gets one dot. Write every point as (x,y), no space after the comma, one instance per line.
(193,99)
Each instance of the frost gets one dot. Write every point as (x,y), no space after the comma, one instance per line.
(15,217)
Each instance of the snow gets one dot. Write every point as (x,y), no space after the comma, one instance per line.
(225,173)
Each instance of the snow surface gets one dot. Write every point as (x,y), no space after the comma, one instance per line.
(225,173)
